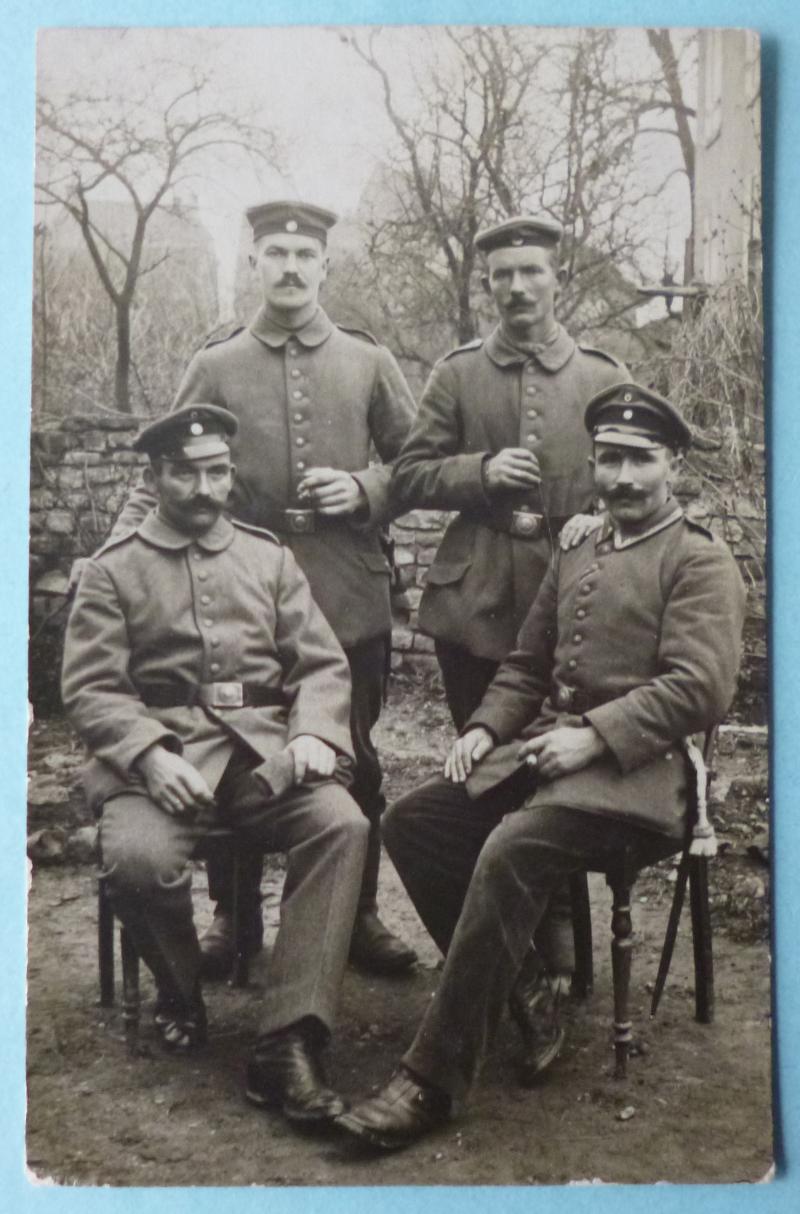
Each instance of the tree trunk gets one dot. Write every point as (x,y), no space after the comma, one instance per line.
(122,369)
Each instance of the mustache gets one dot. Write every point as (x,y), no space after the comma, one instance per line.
(202,503)
(625,495)
(291,280)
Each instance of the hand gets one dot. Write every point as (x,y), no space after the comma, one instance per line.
(332,491)
(511,468)
(75,572)
(466,752)
(173,783)
(313,758)
(576,529)
(562,750)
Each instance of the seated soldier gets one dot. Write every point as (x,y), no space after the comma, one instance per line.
(211,691)
(631,645)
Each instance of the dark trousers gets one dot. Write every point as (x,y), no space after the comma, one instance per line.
(146,854)
(368,667)
(480,879)
(466,678)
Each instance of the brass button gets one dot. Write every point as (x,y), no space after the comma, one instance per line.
(202,576)
(208,623)
(585,589)
(215,667)
(215,642)
(531,391)
(299,442)
(533,413)
(531,440)
(205,599)
(577,637)
(300,465)
(298,394)
(295,374)
(572,663)
(580,613)
(292,351)
(298,417)
(197,556)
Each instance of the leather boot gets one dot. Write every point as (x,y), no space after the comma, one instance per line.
(285,1072)
(218,948)
(377,950)
(406,1109)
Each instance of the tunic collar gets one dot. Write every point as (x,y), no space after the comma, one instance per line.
(313,333)
(161,534)
(555,355)
(669,513)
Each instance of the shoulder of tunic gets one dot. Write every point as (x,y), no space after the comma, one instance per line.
(362,334)
(699,529)
(251,529)
(115,541)
(222,333)
(609,358)
(475,344)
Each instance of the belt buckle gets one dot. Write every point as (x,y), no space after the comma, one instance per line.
(300,522)
(525,524)
(223,695)
(564,697)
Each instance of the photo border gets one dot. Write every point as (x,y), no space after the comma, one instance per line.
(779,26)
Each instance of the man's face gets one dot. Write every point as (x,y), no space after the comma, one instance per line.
(633,481)
(192,493)
(524,284)
(290,269)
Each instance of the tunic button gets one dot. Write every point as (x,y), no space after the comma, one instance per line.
(215,667)
(533,413)
(572,663)
(298,394)
(208,623)
(300,465)
(295,374)
(298,417)
(197,556)
(202,576)
(299,442)
(205,599)
(585,589)
(580,613)
(531,440)
(291,351)
(214,642)
(531,391)
(577,637)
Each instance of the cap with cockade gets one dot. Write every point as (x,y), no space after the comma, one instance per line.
(518,231)
(296,218)
(629,415)
(191,432)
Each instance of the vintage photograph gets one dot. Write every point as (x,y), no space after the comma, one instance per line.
(398,760)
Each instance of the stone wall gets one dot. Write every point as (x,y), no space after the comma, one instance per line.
(81,473)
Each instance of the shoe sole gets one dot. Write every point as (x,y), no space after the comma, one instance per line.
(529,1076)
(270,1103)
(373,1138)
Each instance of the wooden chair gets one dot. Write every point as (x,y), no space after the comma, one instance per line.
(620,876)
(129,956)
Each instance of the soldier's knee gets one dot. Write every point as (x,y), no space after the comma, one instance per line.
(137,870)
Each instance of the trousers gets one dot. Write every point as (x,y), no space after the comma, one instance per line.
(466,677)
(480,878)
(146,853)
(368,665)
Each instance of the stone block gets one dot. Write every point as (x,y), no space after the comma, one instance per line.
(82,458)
(71,478)
(52,444)
(413,595)
(404,556)
(104,474)
(42,499)
(425,556)
(60,522)
(402,639)
(423,644)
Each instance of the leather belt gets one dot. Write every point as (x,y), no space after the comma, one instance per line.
(212,695)
(294,522)
(519,524)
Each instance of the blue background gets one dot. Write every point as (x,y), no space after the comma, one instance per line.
(779,25)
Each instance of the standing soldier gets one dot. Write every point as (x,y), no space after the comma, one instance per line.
(500,438)
(312,400)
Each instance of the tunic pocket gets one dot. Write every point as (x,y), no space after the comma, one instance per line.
(445,573)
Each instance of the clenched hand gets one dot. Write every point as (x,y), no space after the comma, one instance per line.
(173,783)
(466,752)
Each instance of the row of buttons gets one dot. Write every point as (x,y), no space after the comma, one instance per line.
(205,600)
(293,350)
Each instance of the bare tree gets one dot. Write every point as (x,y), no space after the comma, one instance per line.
(141,148)
(502,120)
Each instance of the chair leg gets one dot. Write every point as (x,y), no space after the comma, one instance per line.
(701,940)
(130,989)
(105,945)
(240,909)
(621,947)
(583,977)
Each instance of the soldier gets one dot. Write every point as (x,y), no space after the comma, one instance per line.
(211,690)
(500,438)
(631,645)
(312,399)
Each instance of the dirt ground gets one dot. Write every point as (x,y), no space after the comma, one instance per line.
(695,1106)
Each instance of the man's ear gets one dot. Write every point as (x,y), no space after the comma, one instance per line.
(675,464)
(485,284)
(149,476)
(251,258)
(590,461)
(326,264)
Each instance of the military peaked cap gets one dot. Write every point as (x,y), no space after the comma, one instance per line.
(517,231)
(632,416)
(296,218)
(191,432)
